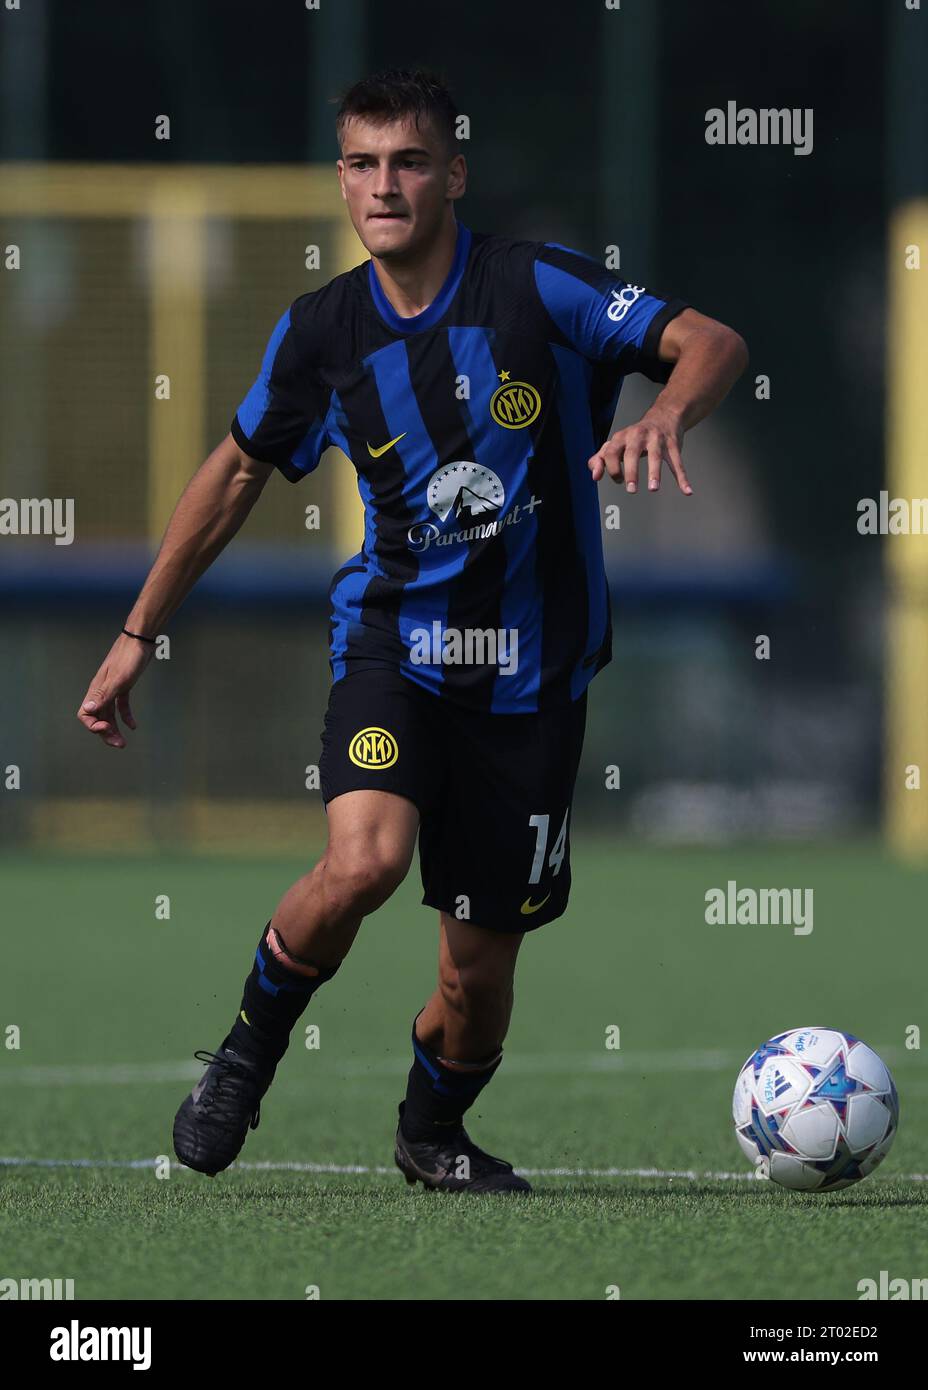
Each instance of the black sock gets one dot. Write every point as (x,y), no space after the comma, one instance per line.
(436,1095)
(273,1000)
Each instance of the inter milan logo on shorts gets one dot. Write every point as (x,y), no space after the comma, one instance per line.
(515,404)
(373,748)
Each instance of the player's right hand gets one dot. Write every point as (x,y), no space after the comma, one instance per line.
(109,690)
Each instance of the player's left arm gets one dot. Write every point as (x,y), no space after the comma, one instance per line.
(707,357)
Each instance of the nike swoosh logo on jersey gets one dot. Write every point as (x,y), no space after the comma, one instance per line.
(529,907)
(375,453)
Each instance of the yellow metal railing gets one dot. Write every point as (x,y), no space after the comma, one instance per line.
(906,665)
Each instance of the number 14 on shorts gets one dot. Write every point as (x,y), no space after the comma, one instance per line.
(541,826)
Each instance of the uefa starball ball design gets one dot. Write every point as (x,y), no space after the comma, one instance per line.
(815,1109)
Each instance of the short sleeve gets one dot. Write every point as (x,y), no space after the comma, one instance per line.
(603,317)
(282,419)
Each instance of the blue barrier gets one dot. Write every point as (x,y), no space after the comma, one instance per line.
(249,575)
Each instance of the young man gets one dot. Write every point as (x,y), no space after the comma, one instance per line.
(472,380)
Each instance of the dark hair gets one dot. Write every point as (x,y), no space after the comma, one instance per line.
(396,93)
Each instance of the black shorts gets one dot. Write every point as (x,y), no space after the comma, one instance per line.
(493,792)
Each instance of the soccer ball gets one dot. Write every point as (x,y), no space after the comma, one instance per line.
(815,1109)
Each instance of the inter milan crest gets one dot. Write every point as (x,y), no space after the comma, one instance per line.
(515,404)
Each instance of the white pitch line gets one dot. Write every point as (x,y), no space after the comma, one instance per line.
(348,1169)
(103,1074)
(354,1068)
(515,1064)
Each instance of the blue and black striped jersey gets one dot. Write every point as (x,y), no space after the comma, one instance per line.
(470,425)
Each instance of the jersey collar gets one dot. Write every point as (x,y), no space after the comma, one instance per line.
(430,316)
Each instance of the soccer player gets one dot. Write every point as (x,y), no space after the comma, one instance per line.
(472,380)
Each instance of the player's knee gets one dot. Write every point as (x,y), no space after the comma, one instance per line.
(361,880)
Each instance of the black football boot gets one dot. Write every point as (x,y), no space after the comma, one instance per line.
(453,1163)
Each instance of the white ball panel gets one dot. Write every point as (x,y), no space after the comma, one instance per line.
(815,1045)
(741,1101)
(793,1173)
(866,1123)
(748,1147)
(782,1083)
(864,1065)
(813,1131)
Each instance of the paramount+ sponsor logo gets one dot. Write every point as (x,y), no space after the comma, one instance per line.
(373,748)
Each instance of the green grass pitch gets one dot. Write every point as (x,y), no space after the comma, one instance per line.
(111,1003)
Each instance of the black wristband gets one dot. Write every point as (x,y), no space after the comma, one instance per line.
(139,638)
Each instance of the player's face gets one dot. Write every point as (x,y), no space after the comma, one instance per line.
(398,181)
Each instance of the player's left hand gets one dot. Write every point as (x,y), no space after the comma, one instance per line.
(659,435)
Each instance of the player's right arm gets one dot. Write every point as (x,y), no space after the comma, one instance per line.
(211,510)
